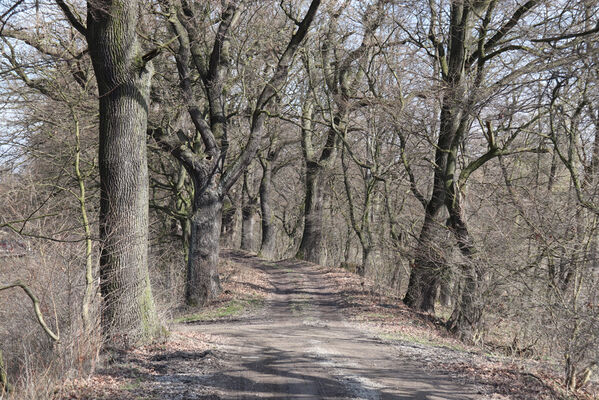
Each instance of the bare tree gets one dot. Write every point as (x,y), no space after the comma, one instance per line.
(463,52)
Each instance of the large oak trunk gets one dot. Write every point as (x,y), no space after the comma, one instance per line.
(429,259)
(467,314)
(228,223)
(427,269)
(248,225)
(267,247)
(310,248)
(249,211)
(124,85)
(466,317)
(203,283)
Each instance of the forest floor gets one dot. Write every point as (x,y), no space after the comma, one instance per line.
(295,330)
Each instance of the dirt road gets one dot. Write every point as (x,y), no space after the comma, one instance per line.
(304,349)
(309,340)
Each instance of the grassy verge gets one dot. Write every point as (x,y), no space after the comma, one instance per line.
(418,339)
(227,310)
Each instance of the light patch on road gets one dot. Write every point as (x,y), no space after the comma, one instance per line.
(360,387)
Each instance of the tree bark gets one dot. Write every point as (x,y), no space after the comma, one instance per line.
(429,262)
(466,317)
(203,283)
(228,222)
(310,248)
(4,386)
(367,268)
(267,247)
(446,291)
(248,224)
(182,208)
(248,217)
(124,85)
(426,269)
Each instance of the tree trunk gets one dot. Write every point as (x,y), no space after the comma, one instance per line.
(124,86)
(4,387)
(466,317)
(248,215)
(429,262)
(203,283)
(248,223)
(182,209)
(228,222)
(311,245)
(310,248)
(211,181)
(467,314)
(367,268)
(445,292)
(267,247)
(396,278)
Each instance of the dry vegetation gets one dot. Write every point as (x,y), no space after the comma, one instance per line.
(34,362)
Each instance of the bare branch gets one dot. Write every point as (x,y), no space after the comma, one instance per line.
(75,22)
(266,96)
(10,10)
(568,35)
(504,30)
(36,307)
(178,148)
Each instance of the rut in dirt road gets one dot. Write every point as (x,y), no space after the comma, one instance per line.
(304,349)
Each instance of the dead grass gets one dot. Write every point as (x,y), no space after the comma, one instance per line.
(135,374)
